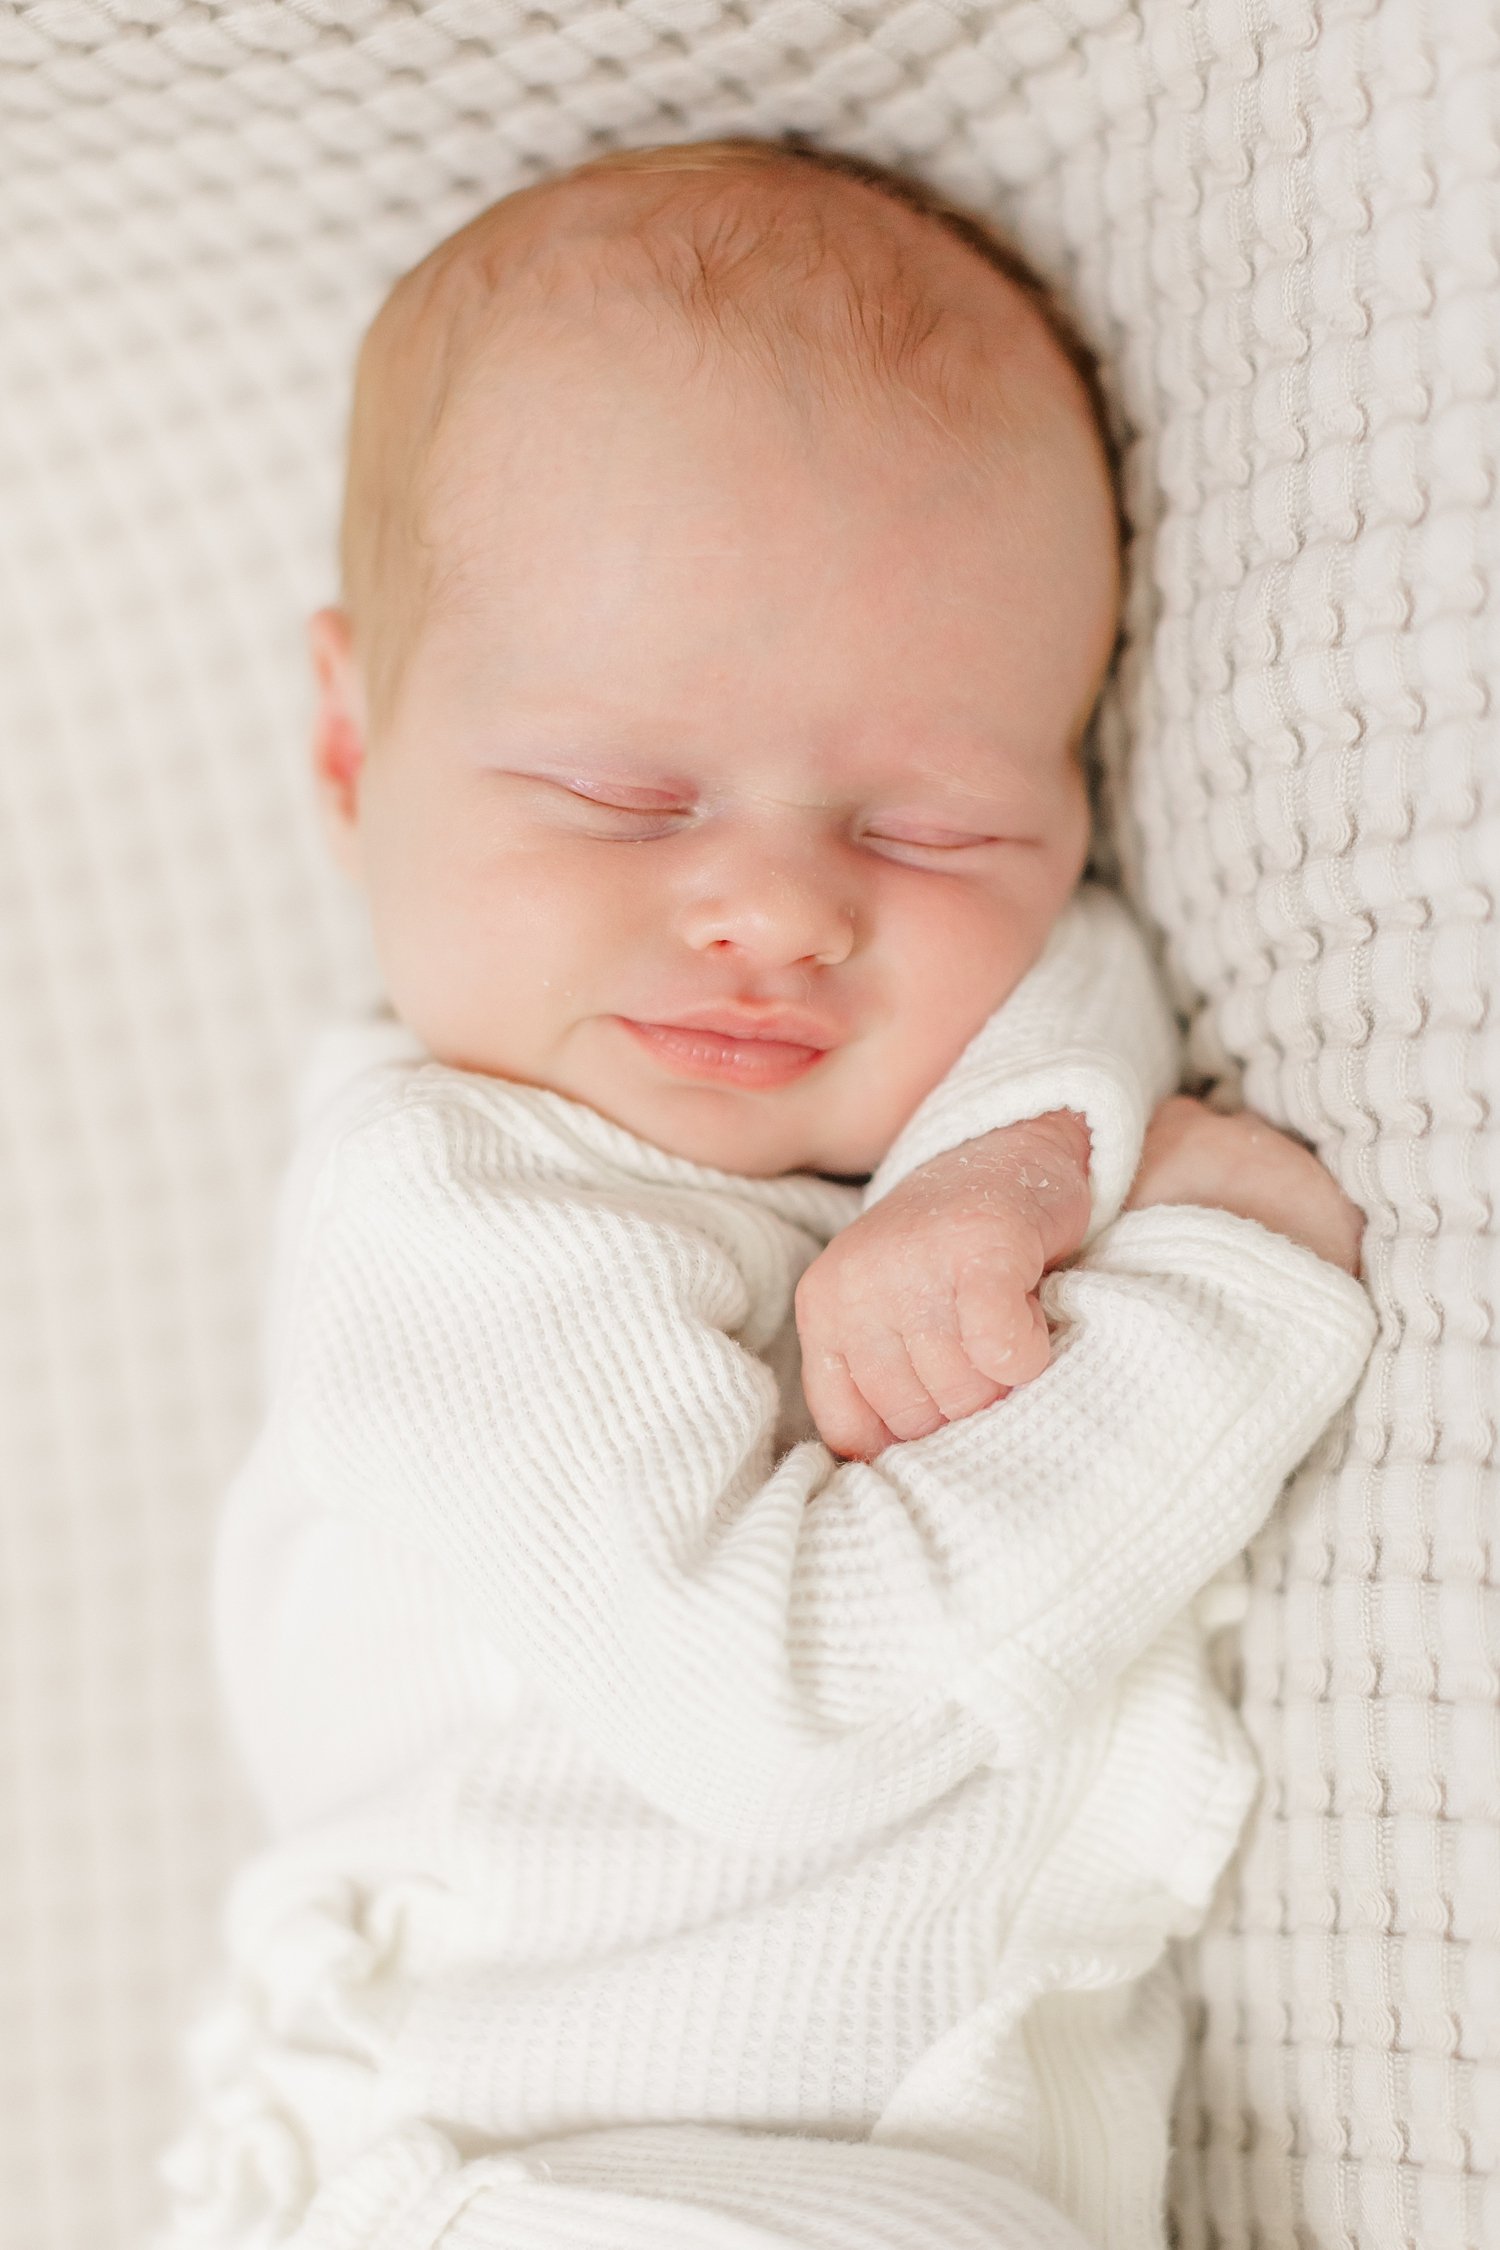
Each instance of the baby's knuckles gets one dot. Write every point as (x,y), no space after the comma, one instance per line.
(916,1243)
(1023,1186)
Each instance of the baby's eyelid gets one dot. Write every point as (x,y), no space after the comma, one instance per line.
(682,812)
(933,844)
(612,804)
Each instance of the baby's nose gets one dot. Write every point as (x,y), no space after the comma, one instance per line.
(778,904)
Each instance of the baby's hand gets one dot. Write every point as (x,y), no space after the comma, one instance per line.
(1241,1163)
(924,1309)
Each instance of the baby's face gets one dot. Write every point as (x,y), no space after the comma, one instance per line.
(708,717)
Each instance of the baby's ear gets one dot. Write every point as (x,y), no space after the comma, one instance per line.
(338,744)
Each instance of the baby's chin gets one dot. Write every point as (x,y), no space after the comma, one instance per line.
(758,1136)
(752,1148)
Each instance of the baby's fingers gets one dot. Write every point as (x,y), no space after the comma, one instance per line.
(955,1385)
(1002,1329)
(843,1418)
(882,1372)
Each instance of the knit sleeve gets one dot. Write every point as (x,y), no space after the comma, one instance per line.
(1087,1028)
(542,1386)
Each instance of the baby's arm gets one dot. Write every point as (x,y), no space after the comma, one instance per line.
(925,1308)
(541,1385)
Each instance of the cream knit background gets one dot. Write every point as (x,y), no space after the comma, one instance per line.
(1280,219)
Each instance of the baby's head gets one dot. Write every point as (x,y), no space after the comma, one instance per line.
(730,567)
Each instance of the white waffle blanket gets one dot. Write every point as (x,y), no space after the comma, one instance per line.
(1278,220)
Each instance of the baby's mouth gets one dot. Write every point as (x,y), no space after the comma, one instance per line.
(737,1059)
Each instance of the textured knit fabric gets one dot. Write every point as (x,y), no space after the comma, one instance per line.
(1277,219)
(632,1761)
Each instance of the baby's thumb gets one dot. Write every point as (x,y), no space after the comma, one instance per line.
(1004,1336)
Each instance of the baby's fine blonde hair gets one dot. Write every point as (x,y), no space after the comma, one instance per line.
(767,280)
(968,227)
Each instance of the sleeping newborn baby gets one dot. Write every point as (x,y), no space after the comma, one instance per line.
(763,1373)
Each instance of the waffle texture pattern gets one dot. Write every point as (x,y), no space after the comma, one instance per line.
(632,1762)
(1277,219)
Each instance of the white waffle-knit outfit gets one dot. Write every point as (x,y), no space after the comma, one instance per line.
(681,1839)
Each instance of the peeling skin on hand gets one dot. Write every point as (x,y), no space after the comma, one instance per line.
(900,1277)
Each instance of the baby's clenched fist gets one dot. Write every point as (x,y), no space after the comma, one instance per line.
(1240,1162)
(924,1309)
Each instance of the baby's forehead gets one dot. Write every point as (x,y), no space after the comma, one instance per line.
(852,316)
